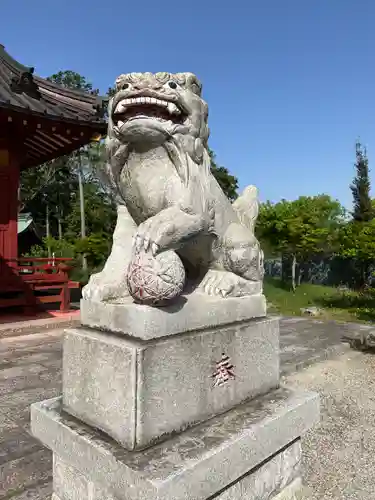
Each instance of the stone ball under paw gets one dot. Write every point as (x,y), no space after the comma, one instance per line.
(156,280)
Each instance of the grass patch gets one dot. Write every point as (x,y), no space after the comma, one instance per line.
(335,304)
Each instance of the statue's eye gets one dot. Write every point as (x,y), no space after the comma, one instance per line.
(125,86)
(172,84)
(195,88)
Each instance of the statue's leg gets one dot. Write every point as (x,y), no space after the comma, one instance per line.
(237,268)
(111,281)
(170,229)
(222,283)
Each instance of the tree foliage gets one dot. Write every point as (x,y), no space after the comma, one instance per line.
(99,209)
(357,246)
(357,237)
(227,182)
(313,226)
(357,241)
(302,227)
(49,186)
(72,80)
(362,204)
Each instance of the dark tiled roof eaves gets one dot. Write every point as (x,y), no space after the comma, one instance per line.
(55,101)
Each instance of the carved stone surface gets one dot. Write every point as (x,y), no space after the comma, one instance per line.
(140,392)
(156,280)
(196,464)
(159,167)
(185,315)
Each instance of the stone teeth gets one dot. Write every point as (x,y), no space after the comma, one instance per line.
(120,108)
(125,103)
(173,109)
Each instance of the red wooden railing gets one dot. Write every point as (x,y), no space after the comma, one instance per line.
(44,266)
(34,278)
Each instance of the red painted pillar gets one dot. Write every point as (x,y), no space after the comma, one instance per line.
(9,181)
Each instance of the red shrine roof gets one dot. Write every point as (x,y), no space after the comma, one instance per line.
(44,120)
(21,89)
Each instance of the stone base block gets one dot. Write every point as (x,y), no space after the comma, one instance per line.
(194,312)
(252,452)
(279,475)
(139,392)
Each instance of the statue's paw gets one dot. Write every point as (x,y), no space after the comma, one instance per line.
(155,234)
(226,284)
(100,289)
(218,283)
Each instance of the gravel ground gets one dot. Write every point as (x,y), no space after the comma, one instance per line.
(339,454)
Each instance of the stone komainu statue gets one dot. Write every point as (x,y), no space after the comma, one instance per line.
(174,221)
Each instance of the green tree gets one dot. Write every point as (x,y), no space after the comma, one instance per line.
(99,209)
(357,244)
(300,229)
(75,81)
(362,204)
(72,80)
(46,192)
(227,182)
(33,182)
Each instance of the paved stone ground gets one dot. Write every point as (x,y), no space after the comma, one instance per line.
(305,341)
(30,371)
(11,326)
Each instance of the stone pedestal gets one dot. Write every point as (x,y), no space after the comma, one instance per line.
(138,392)
(188,314)
(175,403)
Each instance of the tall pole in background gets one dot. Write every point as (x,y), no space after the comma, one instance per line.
(82,206)
(48,230)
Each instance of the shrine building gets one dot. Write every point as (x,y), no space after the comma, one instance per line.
(39,121)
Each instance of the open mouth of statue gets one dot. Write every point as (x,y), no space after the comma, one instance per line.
(146,107)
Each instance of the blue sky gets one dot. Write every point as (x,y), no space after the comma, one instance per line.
(290,83)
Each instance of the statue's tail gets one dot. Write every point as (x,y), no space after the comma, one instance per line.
(247,207)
